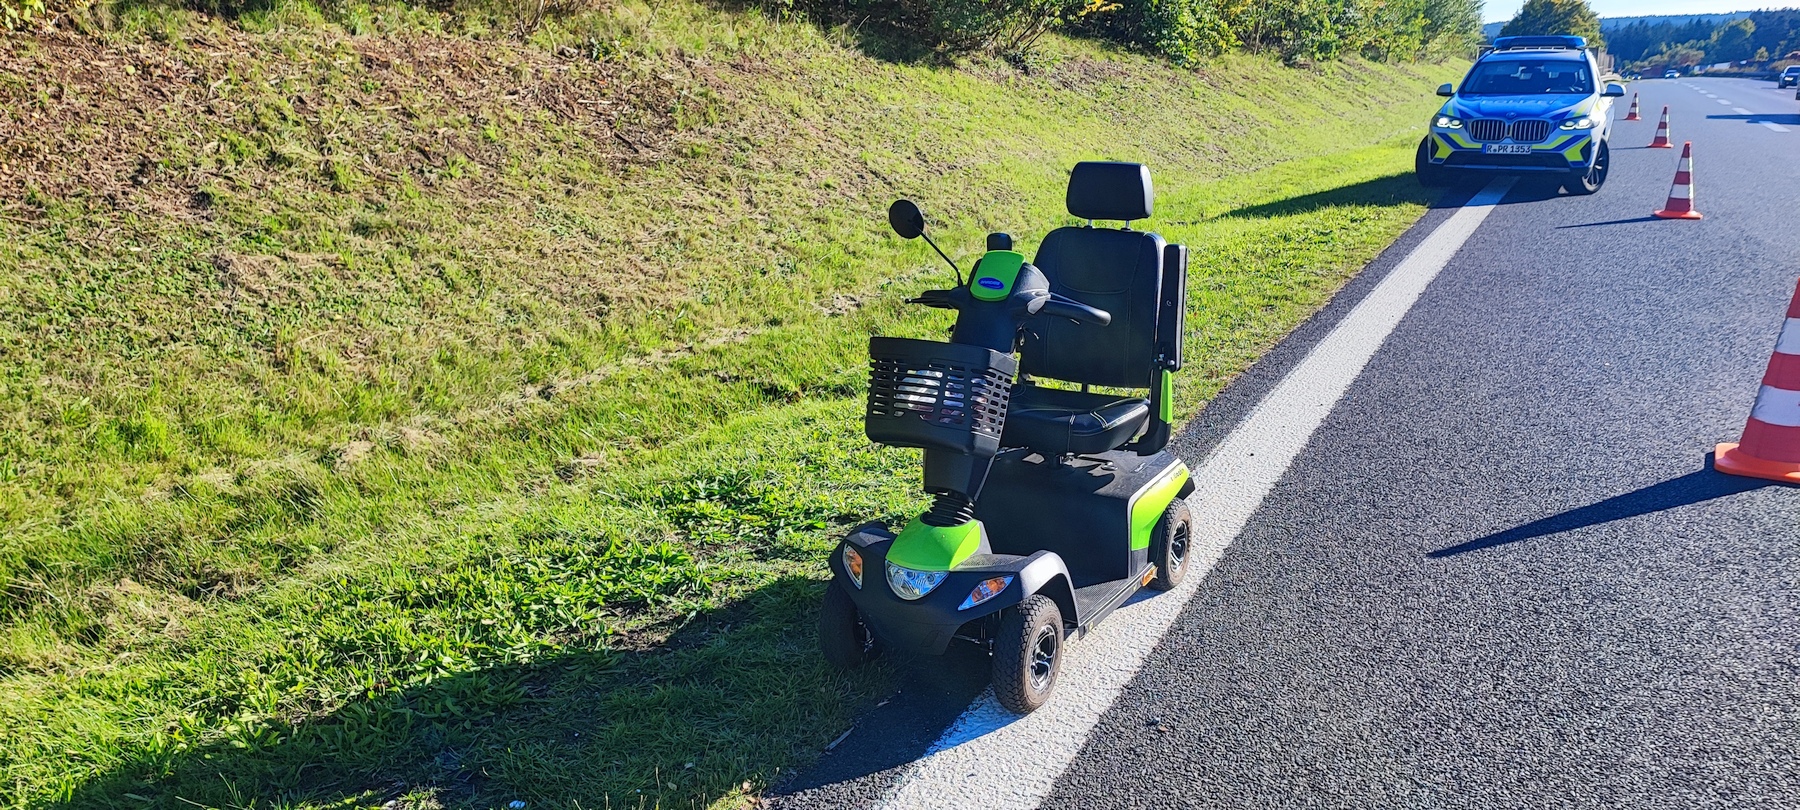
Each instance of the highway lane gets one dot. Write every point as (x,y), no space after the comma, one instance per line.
(1499,574)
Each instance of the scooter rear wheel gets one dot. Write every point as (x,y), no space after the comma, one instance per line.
(1171,545)
(1028,654)
(843,637)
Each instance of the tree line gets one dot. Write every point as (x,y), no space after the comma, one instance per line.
(1759,36)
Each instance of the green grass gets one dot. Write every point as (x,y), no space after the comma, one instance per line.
(413,416)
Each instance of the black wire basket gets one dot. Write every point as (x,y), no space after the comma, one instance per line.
(938,396)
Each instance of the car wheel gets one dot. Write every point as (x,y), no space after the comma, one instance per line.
(1590,179)
(1028,654)
(844,638)
(1430,174)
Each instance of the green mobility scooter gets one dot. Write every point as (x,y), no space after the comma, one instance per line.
(1052,505)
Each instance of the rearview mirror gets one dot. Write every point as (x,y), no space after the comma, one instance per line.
(1446,90)
(906,219)
(1614,90)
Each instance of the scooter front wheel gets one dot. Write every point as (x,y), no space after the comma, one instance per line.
(844,638)
(1028,654)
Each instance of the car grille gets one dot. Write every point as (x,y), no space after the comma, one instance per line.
(1530,131)
(1487,129)
(1493,130)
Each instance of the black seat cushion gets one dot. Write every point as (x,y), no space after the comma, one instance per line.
(1054,421)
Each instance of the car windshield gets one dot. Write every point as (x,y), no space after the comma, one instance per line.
(1528,77)
(1792,69)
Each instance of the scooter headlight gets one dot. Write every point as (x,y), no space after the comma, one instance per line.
(1447,122)
(853,565)
(909,584)
(1583,122)
(985,590)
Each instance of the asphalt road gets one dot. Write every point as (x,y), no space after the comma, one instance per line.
(1501,573)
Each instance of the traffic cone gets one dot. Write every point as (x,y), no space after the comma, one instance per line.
(1771,445)
(1681,194)
(1632,114)
(1662,132)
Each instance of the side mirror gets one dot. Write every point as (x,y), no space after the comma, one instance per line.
(1614,90)
(906,219)
(1446,90)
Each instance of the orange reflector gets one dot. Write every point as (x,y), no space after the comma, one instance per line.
(853,564)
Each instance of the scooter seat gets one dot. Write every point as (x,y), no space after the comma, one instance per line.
(1051,420)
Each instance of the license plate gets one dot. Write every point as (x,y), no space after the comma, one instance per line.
(1507,149)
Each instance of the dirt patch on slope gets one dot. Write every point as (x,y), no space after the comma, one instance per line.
(153,122)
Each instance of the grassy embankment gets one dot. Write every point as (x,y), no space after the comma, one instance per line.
(395,414)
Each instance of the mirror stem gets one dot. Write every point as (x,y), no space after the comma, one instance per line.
(959,276)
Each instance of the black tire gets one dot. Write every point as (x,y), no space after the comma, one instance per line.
(1028,654)
(1430,174)
(1170,543)
(847,642)
(1590,179)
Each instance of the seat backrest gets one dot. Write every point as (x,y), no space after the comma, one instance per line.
(1118,270)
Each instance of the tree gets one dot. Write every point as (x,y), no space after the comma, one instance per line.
(1731,41)
(1552,17)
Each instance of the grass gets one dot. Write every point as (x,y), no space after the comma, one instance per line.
(395,415)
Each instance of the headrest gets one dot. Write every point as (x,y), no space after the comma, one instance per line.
(1108,190)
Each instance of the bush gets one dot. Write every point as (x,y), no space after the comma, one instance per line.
(998,26)
(1185,31)
(15,14)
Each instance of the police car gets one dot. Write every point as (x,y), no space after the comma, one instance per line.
(1532,104)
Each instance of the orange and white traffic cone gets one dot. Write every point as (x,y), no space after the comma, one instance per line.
(1662,132)
(1681,194)
(1632,114)
(1771,445)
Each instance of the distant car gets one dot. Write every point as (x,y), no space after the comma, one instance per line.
(1671,74)
(1790,77)
(1532,104)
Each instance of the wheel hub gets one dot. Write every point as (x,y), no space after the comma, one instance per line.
(1043,658)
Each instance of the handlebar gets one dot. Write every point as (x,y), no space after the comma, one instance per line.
(1040,304)
(937,299)
(1058,306)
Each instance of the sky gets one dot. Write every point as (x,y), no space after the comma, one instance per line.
(1503,10)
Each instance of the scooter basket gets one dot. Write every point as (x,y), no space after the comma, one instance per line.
(939,396)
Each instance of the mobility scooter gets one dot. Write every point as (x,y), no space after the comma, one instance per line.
(1052,502)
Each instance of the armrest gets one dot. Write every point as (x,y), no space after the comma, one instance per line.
(1171,309)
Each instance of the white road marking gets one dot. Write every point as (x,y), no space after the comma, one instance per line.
(1709,95)
(1774,126)
(995,760)
(1724,102)
(1741,111)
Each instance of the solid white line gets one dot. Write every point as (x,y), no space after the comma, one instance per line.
(1741,111)
(1774,126)
(993,759)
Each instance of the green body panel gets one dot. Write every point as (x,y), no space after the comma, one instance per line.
(1149,504)
(1166,404)
(923,547)
(998,265)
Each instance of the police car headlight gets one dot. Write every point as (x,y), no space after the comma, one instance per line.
(1583,122)
(1446,122)
(909,584)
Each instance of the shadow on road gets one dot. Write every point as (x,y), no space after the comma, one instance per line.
(1610,222)
(1760,118)
(1695,487)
